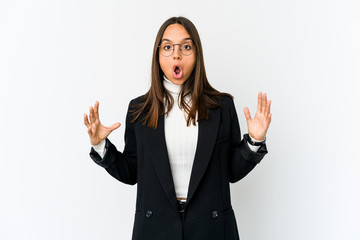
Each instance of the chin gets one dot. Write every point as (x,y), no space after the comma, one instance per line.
(178,81)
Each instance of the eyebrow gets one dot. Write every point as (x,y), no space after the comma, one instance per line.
(165,39)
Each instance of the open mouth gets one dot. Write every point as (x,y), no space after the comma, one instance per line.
(177,72)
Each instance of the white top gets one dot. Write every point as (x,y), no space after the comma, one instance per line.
(181,141)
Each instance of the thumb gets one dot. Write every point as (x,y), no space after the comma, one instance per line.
(247,113)
(115,126)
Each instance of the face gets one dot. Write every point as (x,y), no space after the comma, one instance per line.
(177,67)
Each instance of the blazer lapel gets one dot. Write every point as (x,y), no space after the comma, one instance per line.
(206,140)
(205,144)
(160,159)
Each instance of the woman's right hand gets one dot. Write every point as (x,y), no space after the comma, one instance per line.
(96,130)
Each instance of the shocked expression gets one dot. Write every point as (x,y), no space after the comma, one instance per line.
(179,65)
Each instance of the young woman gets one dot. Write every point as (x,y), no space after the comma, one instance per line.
(182,144)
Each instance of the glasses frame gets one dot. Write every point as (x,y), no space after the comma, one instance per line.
(173,48)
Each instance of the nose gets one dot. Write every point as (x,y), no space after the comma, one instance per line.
(177,53)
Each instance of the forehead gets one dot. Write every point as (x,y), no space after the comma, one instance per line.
(175,33)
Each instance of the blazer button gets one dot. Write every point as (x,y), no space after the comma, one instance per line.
(214,214)
(148,214)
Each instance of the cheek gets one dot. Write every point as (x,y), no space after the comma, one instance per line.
(164,65)
(192,63)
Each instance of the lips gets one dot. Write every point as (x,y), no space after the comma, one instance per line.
(177,71)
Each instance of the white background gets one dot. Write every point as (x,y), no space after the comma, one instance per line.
(58,57)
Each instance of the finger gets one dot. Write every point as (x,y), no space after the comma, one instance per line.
(259,102)
(269,118)
(96,110)
(89,131)
(115,126)
(92,118)
(263,103)
(86,121)
(268,107)
(247,113)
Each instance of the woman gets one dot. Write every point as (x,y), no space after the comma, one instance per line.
(182,144)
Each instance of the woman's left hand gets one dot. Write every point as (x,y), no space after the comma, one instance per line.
(259,125)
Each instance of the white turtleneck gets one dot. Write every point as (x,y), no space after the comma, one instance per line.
(181,141)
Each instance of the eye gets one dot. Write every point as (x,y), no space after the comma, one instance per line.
(187,47)
(167,47)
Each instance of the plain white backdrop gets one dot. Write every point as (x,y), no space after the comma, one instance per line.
(58,57)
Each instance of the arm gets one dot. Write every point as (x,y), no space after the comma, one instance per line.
(253,148)
(243,159)
(122,166)
(100,148)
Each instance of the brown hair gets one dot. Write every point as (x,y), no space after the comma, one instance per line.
(197,86)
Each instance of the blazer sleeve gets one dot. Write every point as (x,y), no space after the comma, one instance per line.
(120,165)
(243,159)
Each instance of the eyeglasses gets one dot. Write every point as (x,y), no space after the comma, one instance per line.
(167,49)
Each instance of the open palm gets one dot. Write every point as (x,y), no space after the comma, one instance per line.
(97,132)
(258,126)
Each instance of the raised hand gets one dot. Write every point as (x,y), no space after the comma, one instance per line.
(96,130)
(259,125)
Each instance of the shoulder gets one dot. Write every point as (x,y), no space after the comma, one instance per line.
(225,100)
(134,107)
(227,105)
(137,100)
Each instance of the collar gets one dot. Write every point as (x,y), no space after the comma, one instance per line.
(170,86)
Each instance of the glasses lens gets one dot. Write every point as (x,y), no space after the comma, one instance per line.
(187,48)
(166,49)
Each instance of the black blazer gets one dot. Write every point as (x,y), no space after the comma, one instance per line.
(221,158)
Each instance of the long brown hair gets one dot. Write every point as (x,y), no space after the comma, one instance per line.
(202,94)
